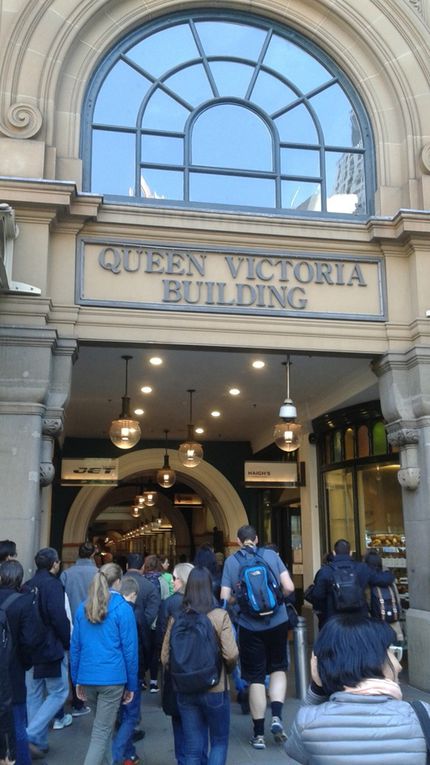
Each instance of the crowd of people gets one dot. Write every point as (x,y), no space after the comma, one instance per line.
(97,636)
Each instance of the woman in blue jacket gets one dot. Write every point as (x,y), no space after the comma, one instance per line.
(103,657)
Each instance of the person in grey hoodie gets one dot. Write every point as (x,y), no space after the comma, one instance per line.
(354,710)
(76,581)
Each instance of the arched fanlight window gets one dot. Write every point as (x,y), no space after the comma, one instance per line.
(226,109)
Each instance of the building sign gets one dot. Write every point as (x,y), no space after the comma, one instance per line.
(83,472)
(271,474)
(266,283)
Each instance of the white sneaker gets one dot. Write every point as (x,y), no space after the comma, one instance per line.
(63,722)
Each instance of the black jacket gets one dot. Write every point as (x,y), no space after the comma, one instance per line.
(322,594)
(28,635)
(50,598)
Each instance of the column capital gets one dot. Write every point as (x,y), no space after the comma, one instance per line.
(399,434)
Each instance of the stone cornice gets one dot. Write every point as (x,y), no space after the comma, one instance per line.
(30,195)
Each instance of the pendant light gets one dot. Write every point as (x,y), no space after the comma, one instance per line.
(135,511)
(286,433)
(150,497)
(190,452)
(125,432)
(166,477)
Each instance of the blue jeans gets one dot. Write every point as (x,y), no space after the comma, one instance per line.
(122,744)
(44,698)
(203,714)
(20,720)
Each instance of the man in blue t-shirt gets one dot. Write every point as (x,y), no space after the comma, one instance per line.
(262,640)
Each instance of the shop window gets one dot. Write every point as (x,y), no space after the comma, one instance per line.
(337,446)
(338,486)
(349,444)
(379,438)
(363,441)
(226,109)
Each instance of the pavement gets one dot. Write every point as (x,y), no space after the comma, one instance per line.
(69,746)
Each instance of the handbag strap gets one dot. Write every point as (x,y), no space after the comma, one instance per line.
(424,721)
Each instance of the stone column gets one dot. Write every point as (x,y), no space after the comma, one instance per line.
(35,377)
(404,384)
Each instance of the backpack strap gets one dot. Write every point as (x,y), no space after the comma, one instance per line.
(10,599)
(424,721)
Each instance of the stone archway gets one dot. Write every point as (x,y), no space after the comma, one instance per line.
(218,493)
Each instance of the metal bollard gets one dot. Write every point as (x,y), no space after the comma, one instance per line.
(301,661)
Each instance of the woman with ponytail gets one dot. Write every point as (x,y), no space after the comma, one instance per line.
(103,657)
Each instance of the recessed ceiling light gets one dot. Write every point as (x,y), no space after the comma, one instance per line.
(146,389)
(258,364)
(139,412)
(215,413)
(199,431)
(155,361)
(234,391)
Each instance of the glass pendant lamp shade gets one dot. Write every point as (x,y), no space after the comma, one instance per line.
(150,497)
(190,453)
(166,477)
(135,512)
(286,436)
(286,433)
(125,431)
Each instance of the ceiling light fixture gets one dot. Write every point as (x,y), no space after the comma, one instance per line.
(286,433)
(135,511)
(150,497)
(155,361)
(234,392)
(199,430)
(258,364)
(139,412)
(166,477)
(146,389)
(125,432)
(215,413)
(190,452)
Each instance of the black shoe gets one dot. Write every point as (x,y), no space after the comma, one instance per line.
(138,735)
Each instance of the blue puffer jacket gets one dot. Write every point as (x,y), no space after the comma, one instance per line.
(349,729)
(105,653)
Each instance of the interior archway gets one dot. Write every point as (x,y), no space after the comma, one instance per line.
(218,494)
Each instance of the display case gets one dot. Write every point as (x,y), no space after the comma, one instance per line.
(392,549)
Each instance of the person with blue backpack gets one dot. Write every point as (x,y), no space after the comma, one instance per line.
(256,581)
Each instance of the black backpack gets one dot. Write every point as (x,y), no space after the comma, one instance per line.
(347,591)
(6,645)
(195,659)
(257,590)
(385,604)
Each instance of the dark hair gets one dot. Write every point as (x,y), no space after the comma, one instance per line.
(152,563)
(46,557)
(86,550)
(7,548)
(198,592)
(11,574)
(342,547)
(135,560)
(351,648)
(246,534)
(272,546)
(205,557)
(373,559)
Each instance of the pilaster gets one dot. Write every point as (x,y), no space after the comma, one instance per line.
(35,378)
(404,384)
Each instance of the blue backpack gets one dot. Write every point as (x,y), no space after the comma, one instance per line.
(258,591)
